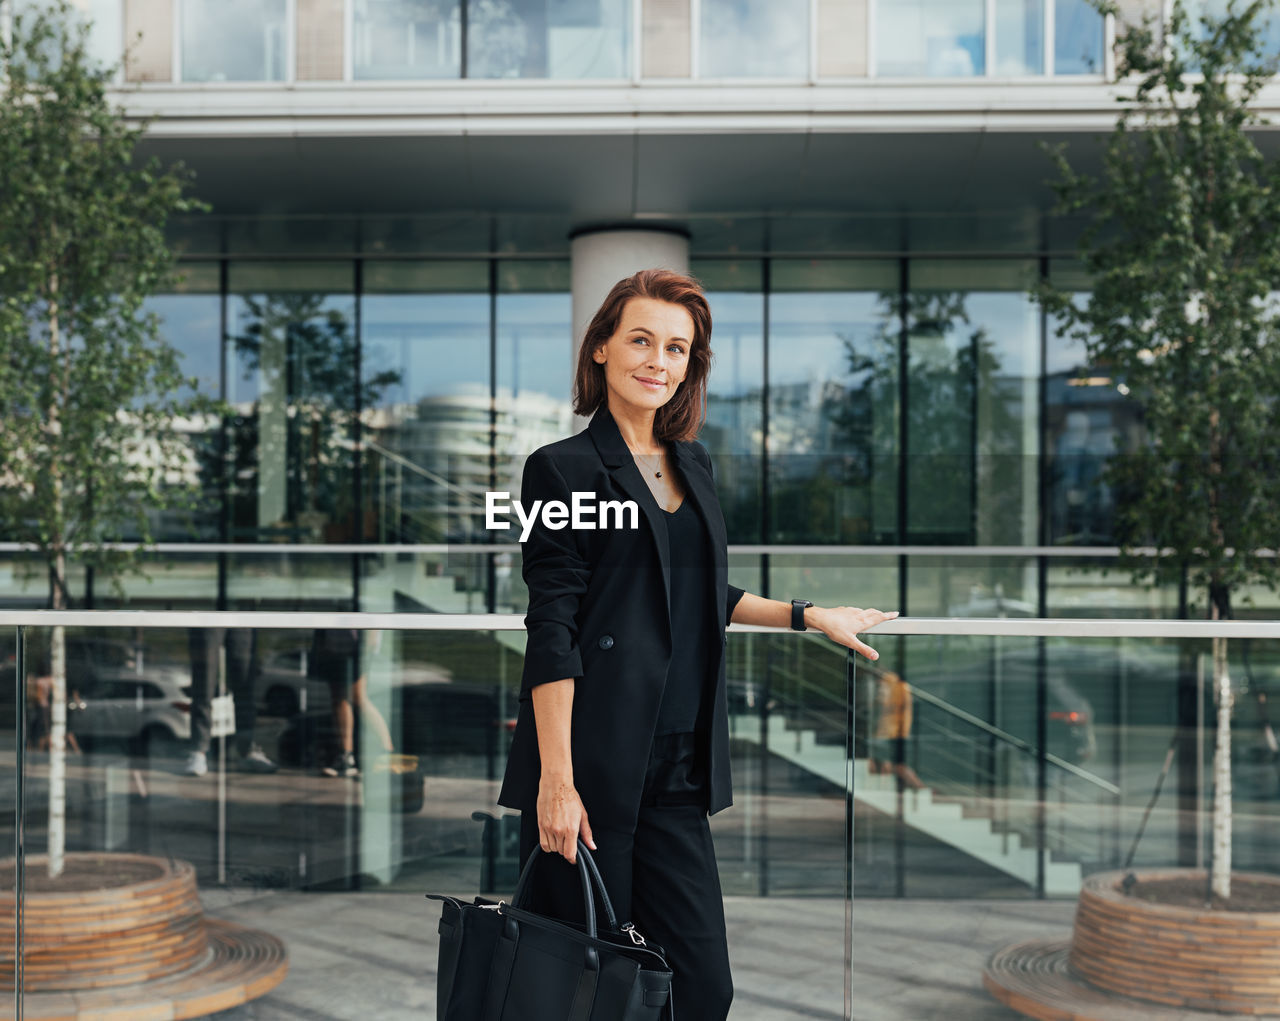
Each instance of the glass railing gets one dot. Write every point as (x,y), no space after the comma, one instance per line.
(893,823)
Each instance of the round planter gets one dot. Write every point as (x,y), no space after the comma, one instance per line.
(1129,957)
(130,928)
(1228,961)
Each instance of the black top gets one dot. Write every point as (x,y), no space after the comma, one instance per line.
(685,699)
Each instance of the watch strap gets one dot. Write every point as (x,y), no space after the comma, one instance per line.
(798,607)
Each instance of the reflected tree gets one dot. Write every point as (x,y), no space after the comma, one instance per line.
(295,446)
(962,431)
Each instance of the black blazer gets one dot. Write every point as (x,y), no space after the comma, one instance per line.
(599,613)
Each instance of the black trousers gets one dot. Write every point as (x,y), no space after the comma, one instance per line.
(662,877)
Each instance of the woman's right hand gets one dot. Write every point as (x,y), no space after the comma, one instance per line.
(562,818)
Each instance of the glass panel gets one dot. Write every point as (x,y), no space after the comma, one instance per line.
(191,322)
(283,831)
(425,366)
(414,39)
(233,40)
(936,38)
(963,721)
(1095,587)
(1085,416)
(733,432)
(1019,37)
(1267,23)
(754,39)
(291,379)
(972,586)
(972,404)
(104,17)
(833,401)
(534,372)
(548,39)
(1078,38)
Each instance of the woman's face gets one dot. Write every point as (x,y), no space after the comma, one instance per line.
(647,357)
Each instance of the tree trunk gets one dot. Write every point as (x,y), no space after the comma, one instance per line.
(1220,873)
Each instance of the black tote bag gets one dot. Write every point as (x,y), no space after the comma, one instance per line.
(502,962)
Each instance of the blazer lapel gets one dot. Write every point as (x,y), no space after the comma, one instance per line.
(622,469)
(703,493)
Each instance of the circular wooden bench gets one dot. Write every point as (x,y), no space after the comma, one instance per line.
(143,942)
(1132,960)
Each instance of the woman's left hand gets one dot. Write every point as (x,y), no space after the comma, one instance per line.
(843,624)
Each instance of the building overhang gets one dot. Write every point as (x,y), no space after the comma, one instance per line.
(593,152)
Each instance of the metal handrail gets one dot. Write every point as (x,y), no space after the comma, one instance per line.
(1007,738)
(997,627)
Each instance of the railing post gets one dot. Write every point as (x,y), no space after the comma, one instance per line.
(1042,739)
(19,811)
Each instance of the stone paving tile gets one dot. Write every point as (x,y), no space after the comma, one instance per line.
(371,956)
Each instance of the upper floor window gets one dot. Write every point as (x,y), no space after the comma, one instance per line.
(926,38)
(395,39)
(105,21)
(491,39)
(754,39)
(234,40)
(971,38)
(547,38)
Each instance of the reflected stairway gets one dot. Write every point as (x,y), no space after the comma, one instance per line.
(923,810)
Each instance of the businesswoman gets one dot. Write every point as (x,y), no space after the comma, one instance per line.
(622,733)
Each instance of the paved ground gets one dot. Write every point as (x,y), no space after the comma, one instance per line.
(372,956)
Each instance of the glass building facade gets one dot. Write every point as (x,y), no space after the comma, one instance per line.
(386,300)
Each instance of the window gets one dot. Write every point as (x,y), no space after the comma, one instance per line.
(233,40)
(931,38)
(755,39)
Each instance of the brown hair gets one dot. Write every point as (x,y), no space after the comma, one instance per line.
(681,417)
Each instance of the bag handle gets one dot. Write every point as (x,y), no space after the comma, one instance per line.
(590,875)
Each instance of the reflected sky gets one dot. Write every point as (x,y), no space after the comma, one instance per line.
(755,39)
(233,40)
(943,38)
(1077,33)
(394,39)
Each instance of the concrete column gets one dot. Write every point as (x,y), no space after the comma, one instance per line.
(600,258)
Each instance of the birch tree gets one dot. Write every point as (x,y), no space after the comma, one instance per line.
(91,399)
(1183,248)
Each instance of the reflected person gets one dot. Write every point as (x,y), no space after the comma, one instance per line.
(203,647)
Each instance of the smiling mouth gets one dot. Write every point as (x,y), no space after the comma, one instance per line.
(651,382)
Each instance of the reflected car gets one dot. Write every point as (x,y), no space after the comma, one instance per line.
(284,689)
(150,715)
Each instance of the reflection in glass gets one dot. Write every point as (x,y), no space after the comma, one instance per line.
(547,38)
(1019,32)
(754,39)
(1267,22)
(426,352)
(190,321)
(407,39)
(105,24)
(971,404)
(1078,38)
(233,40)
(292,383)
(833,398)
(734,429)
(534,375)
(937,38)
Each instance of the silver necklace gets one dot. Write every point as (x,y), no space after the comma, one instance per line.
(657,474)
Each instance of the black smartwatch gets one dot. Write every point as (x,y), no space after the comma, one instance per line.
(797,614)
